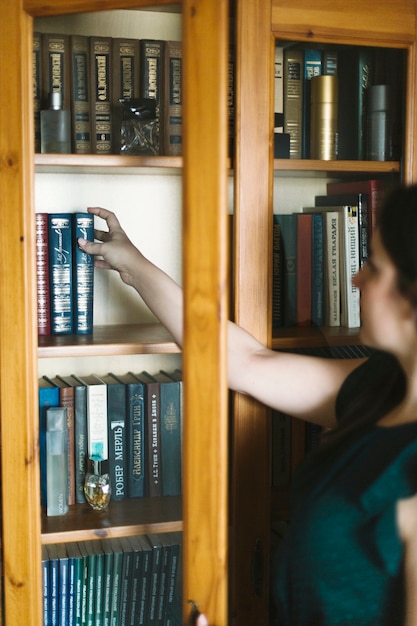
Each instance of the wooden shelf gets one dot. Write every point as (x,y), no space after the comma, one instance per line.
(135,516)
(41,8)
(110,340)
(86,163)
(314,337)
(330,168)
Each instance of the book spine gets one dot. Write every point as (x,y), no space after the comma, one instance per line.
(56,67)
(173,98)
(288,223)
(312,67)
(42,274)
(97,422)
(63,565)
(151,81)
(171,438)
(80,94)
(45,585)
(116,411)
(101,113)
(351,311)
(332,272)
(136,440)
(83,276)
(66,399)
(276,276)
(116,583)
(154,439)
(126,581)
(125,80)
(154,580)
(317,271)
(107,581)
(53,585)
(37,87)
(293,99)
(60,273)
(303,280)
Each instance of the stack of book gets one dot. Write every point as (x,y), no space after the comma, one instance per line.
(317,252)
(93,73)
(65,274)
(362,119)
(134,421)
(122,581)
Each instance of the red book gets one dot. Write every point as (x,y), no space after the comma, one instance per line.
(304,225)
(375,190)
(42,275)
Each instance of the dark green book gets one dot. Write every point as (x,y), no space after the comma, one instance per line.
(89,596)
(45,585)
(75,576)
(107,550)
(173,591)
(134,593)
(116,584)
(144,581)
(154,578)
(126,581)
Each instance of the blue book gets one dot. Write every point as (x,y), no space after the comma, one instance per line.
(60,269)
(48,397)
(45,586)
(83,274)
(63,584)
(317,269)
(53,585)
(117,436)
(135,429)
(288,224)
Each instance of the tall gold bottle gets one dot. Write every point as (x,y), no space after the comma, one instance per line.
(323,130)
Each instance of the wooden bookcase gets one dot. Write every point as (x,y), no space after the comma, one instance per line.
(226,539)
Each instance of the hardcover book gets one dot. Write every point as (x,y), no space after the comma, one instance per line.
(304,269)
(56,68)
(312,67)
(80,94)
(42,274)
(173,98)
(37,87)
(75,575)
(375,189)
(152,81)
(293,98)
(97,440)
(125,80)
(277,303)
(83,276)
(60,273)
(117,436)
(288,225)
(317,271)
(101,89)
(135,428)
(153,430)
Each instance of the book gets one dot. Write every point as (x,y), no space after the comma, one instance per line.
(126,581)
(355,68)
(317,271)
(101,90)
(42,274)
(360,200)
(116,581)
(80,94)
(281,139)
(152,81)
(137,563)
(171,432)
(66,399)
(153,435)
(75,583)
(60,273)
(169,568)
(48,396)
(277,303)
(349,261)
(63,584)
(154,578)
(107,580)
(55,68)
(117,436)
(173,98)
(45,585)
(331,262)
(288,225)
(304,268)
(312,67)
(173,600)
(97,435)
(293,98)
(135,428)
(53,586)
(141,543)
(125,80)
(80,433)
(37,87)
(375,189)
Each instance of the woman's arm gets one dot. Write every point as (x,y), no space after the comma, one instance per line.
(302,386)
(407,525)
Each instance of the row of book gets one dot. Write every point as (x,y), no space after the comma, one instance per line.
(357,113)
(132,422)
(317,252)
(292,439)
(92,73)
(126,581)
(65,274)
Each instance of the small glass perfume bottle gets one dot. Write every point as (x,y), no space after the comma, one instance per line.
(55,126)
(97,488)
(56,461)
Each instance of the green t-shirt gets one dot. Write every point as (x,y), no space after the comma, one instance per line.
(342,560)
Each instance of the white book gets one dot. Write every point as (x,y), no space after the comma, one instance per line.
(97,437)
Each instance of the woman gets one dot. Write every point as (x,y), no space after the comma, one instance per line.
(351,554)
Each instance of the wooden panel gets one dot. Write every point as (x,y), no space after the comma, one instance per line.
(252,263)
(39,8)
(205,307)
(389,21)
(18,384)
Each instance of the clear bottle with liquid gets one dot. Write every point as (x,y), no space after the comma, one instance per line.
(55,126)
(56,461)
